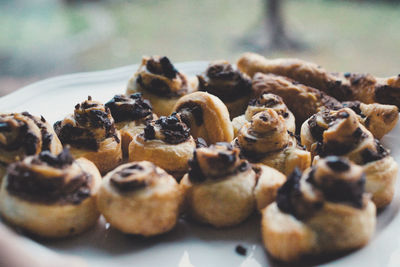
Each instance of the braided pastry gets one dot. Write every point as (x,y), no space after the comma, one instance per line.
(140,198)
(340,133)
(167,143)
(343,86)
(161,83)
(261,103)
(228,84)
(219,186)
(266,140)
(91,133)
(206,116)
(51,196)
(131,115)
(22,134)
(323,210)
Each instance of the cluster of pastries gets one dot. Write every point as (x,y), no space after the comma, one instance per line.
(283,138)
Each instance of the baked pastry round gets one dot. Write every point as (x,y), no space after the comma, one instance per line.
(161,83)
(340,133)
(262,103)
(266,140)
(91,133)
(22,134)
(167,143)
(51,196)
(140,198)
(131,114)
(228,84)
(219,186)
(206,116)
(324,210)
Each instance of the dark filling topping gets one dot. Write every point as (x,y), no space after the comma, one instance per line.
(355,106)
(260,101)
(46,136)
(369,155)
(174,131)
(189,110)
(96,118)
(61,160)
(123,183)
(30,186)
(386,94)
(316,130)
(339,90)
(195,173)
(337,164)
(129,108)
(77,137)
(163,67)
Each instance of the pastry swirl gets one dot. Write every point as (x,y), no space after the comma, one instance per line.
(51,196)
(340,133)
(22,134)
(266,140)
(323,210)
(140,198)
(160,82)
(229,85)
(131,115)
(219,186)
(91,133)
(167,143)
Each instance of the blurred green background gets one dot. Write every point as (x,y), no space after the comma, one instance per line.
(44,38)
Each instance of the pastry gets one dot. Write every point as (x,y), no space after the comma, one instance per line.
(266,140)
(340,133)
(324,210)
(167,143)
(51,196)
(206,116)
(261,103)
(140,198)
(91,133)
(22,134)
(131,114)
(219,186)
(343,86)
(161,83)
(228,84)
(304,101)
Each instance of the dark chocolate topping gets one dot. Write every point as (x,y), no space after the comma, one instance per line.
(386,94)
(189,110)
(337,164)
(289,193)
(173,129)
(369,155)
(75,136)
(61,160)
(129,108)
(125,181)
(162,66)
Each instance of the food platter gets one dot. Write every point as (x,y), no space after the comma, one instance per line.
(189,244)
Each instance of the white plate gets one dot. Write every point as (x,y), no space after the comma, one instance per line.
(189,244)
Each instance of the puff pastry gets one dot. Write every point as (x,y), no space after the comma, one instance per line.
(219,186)
(261,103)
(304,101)
(91,133)
(324,210)
(228,84)
(51,196)
(22,134)
(140,198)
(343,86)
(131,114)
(161,83)
(167,143)
(206,116)
(340,133)
(266,140)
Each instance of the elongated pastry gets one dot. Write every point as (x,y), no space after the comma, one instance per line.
(167,143)
(340,133)
(22,134)
(140,198)
(206,116)
(261,103)
(304,101)
(161,83)
(343,86)
(219,186)
(266,140)
(131,115)
(51,196)
(229,85)
(324,210)
(91,133)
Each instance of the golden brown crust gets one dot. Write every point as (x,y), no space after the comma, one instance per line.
(140,198)
(206,116)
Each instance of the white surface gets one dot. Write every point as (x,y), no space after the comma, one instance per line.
(189,244)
